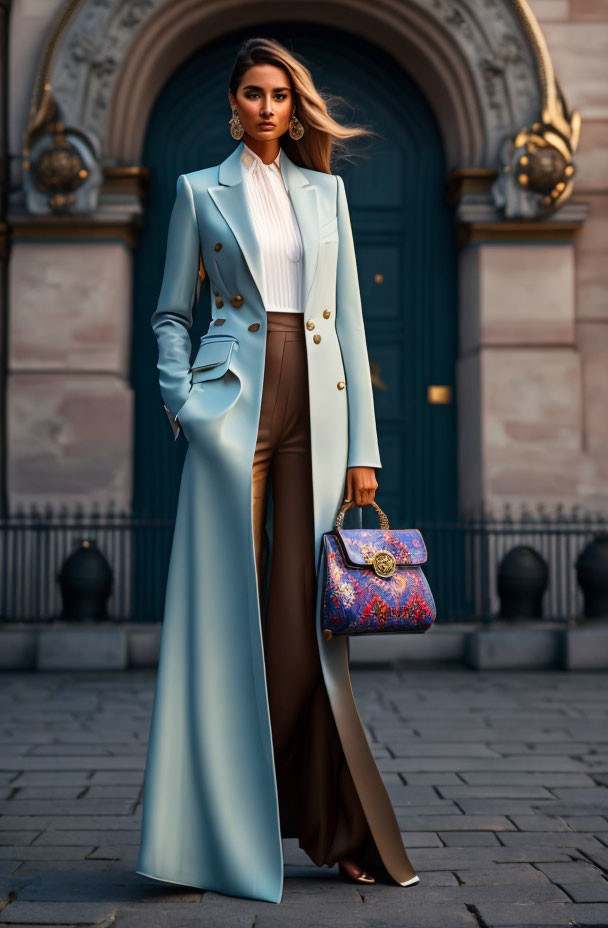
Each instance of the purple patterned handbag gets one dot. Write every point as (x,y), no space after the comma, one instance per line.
(372,580)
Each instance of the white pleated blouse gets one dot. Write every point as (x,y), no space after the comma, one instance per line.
(277,232)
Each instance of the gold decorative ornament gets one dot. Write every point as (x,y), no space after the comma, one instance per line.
(296,129)
(59,162)
(218,246)
(310,324)
(341,385)
(237,130)
(539,157)
(326,313)
(546,167)
(61,167)
(316,339)
(384,564)
(237,300)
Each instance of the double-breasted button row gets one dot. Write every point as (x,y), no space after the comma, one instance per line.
(237,300)
(317,338)
(252,328)
(310,325)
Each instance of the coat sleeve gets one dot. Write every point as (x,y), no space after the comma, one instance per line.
(362,437)
(173,316)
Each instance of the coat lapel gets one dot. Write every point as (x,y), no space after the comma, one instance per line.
(230,198)
(305,201)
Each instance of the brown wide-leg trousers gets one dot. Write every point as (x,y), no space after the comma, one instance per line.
(318,801)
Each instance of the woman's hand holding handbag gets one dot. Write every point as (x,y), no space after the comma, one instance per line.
(361,485)
(372,580)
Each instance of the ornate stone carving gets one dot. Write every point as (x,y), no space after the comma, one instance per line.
(500,41)
(537,169)
(61,173)
(499,58)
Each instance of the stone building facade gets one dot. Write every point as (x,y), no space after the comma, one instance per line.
(517,89)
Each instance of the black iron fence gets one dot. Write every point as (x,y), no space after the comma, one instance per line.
(35,544)
(462,567)
(464,558)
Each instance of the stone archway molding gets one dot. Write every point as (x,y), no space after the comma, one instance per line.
(483,65)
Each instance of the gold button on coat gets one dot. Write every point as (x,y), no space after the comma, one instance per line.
(310,324)
(219,302)
(341,385)
(217,246)
(326,313)
(219,322)
(237,300)
(254,326)
(316,339)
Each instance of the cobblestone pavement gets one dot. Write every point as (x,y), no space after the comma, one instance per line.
(498,780)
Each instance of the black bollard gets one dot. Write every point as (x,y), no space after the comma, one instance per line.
(592,575)
(522,580)
(85,579)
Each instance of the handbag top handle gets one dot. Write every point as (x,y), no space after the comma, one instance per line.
(349,504)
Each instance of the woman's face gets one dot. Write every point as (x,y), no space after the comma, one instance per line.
(264,96)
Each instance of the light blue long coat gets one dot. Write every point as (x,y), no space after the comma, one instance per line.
(210,809)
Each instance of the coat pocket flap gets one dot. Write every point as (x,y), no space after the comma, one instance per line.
(212,352)
(359,545)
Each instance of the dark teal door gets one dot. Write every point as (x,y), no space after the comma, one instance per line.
(405,253)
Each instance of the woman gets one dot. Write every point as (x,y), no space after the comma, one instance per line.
(255,735)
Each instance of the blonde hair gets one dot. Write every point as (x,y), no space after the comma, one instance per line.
(322,133)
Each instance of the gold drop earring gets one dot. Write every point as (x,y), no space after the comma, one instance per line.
(237,130)
(296,129)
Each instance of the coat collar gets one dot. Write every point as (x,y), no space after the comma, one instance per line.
(229,197)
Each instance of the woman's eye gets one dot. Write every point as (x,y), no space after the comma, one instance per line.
(278,96)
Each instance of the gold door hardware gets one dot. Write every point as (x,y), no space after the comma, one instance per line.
(439,393)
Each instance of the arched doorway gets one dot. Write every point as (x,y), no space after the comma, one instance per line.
(405,252)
